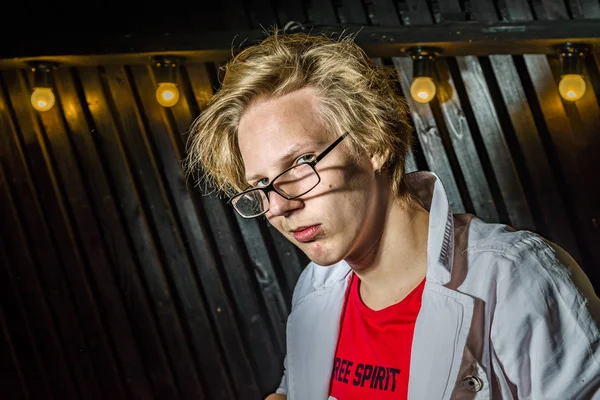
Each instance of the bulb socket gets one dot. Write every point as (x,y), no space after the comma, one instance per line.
(165,68)
(41,73)
(572,57)
(423,58)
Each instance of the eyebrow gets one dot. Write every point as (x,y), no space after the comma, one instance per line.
(287,156)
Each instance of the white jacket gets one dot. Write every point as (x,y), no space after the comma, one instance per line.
(505,315)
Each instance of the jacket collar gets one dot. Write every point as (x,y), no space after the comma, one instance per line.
(440,244)
(313,326)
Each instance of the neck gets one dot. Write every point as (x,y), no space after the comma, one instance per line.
(395,262)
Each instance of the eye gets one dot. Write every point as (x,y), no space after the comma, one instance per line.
(261,183)
(305,158)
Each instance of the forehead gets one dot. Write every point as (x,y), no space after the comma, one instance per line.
(270,128)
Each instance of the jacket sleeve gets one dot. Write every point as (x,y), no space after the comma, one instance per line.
(545,329)
(282,389)
(300,287)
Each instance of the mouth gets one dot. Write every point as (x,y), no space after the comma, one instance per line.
(307,233)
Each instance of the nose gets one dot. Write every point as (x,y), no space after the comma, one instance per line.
(280,206)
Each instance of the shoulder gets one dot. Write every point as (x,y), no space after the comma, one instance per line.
(501,239)
(515,253)
(530,275)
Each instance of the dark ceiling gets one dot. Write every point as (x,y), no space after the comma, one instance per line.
(116,19)
(28,28)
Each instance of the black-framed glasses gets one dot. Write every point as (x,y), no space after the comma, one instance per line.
(292,183)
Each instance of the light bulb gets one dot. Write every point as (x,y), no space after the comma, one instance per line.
(42,99)
(422,89)
(571,87)
(167,94)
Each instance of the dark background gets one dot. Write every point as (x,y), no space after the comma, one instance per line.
(120,280)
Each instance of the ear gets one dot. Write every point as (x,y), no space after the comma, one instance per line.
(378,160)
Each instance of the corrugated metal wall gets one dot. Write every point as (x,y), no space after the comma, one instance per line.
(120,280)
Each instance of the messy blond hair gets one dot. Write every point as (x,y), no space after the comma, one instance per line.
(354,95)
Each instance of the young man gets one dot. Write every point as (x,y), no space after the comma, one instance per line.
(402,298)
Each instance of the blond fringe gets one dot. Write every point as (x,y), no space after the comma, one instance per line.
(355,95)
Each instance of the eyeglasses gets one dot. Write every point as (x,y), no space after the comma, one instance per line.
(292,183)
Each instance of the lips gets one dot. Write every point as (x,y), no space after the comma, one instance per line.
(306,234)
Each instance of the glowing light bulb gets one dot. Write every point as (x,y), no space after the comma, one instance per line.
(422,89)
(167,94)
(571,87)
(42,99)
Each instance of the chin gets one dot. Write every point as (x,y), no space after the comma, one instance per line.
(322,255)
(325,262)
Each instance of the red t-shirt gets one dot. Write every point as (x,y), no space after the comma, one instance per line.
(372,359)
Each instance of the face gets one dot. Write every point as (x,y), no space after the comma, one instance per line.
(339,217)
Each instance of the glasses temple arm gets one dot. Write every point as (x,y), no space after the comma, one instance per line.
(327,150)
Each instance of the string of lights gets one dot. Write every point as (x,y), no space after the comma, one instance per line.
(571,86)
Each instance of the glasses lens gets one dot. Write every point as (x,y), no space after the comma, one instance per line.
(251,204)
(297,181)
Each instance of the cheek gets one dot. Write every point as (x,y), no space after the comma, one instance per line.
(344,195)
(274,221)
(353,182)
